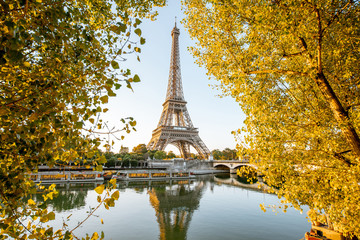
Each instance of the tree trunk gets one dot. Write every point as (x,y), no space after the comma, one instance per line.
(340,114)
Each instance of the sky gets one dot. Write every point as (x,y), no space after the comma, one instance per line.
(214,117)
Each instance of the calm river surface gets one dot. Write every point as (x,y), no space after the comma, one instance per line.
(204,208)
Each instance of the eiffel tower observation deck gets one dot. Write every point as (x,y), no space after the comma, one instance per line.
(175,126)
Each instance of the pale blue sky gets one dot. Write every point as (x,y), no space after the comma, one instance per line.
(214,117)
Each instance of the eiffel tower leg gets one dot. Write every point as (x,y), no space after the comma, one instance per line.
(201,148)
(186,149)
(157,144)
(180,146)
(162,144)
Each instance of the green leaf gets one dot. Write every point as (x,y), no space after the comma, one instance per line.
(138,31)
(137,21)
(49,231)
(111,93)
(122,27)
(136,78)
(100,189)
(14,55)
(43,205)
(115,65)
(79,125)
(142,40)
(102,159)
(98,168)
(117,86)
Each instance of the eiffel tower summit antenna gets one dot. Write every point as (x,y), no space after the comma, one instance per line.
(175,126)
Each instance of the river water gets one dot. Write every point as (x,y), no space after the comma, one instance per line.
(210,207)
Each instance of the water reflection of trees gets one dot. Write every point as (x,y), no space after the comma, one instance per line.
(256,184)
(70,196)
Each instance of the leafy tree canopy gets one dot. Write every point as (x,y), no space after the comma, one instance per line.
(217,154)
(293,66)
(59,61)
(141,148)
(160,155)
(170,155)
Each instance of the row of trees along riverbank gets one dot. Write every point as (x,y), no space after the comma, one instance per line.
(125,158)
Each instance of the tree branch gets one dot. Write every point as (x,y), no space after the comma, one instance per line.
(277,71)
(336,15)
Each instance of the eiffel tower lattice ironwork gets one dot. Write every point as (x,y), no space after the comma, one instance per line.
(175,126)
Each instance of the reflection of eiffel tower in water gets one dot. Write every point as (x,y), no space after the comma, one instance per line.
(174,208)
(175,126)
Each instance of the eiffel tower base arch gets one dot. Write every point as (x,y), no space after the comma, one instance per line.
(182,144)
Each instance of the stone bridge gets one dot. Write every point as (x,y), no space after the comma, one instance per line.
(232,165)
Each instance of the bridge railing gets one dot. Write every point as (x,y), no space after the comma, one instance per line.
(234,160)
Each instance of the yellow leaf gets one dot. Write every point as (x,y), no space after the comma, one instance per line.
(115,195)
(100,189)
(95,236)
(51,216)
(31,202)
(104,99)
(113,182)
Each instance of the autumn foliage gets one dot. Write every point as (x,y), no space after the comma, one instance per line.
(293,66)
(59,61)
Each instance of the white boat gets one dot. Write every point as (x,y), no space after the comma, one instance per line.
(134,175)
(66,176)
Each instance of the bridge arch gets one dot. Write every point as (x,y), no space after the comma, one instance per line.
(232,165)
(222,167)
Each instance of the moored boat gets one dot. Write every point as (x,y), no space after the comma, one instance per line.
(134,175)
(323,233)
(312,236)
(67,176)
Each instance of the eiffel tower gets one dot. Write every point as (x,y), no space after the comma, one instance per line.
(175,126)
